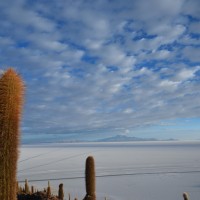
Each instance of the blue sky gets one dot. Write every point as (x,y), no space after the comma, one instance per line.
(95,69)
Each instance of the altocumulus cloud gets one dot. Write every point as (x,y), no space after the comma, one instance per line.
(100,67)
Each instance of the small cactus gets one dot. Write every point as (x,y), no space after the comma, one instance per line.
(32,189)
(20,191)
(185,196)
(48,189)
(27,191)
(90,179)
(60,192)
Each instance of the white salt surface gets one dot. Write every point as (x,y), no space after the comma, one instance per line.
(125,171)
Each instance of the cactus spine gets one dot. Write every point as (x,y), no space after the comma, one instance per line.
(90,179)
(11,99)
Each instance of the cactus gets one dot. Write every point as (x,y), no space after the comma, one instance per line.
(20,191)
(185,196)
(27,190)
(60,192)
(90,179)
(11,99)
(32,189)
(48,189)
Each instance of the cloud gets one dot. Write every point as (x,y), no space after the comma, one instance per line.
(195,27)
(191,53)
(1,72)
(191,8)
(185,74)
(102,66)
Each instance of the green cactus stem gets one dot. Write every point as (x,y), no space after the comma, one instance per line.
(90,179)
(61,192)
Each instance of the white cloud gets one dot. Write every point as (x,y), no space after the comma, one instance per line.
(185,74)
(191,53)
(93,44)
(170,85)
(128,110)
(191,8)
(112,55)
(21,16)
(157,9)
(195,27)
(163,54)
(1,72)
(64,53)
(5,41)
(187,40)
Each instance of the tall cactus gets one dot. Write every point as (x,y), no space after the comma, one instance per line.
(90,179)
(61,192)
(11,99)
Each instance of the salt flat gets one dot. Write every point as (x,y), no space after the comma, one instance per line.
(128,170)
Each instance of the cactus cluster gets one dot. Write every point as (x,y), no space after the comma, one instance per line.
(89,183)
(25,193)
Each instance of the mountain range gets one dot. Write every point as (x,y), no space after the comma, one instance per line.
(123,138)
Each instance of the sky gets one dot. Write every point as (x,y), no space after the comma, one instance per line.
(96,69)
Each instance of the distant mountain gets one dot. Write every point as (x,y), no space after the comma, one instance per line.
(117,138)
(123,138)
